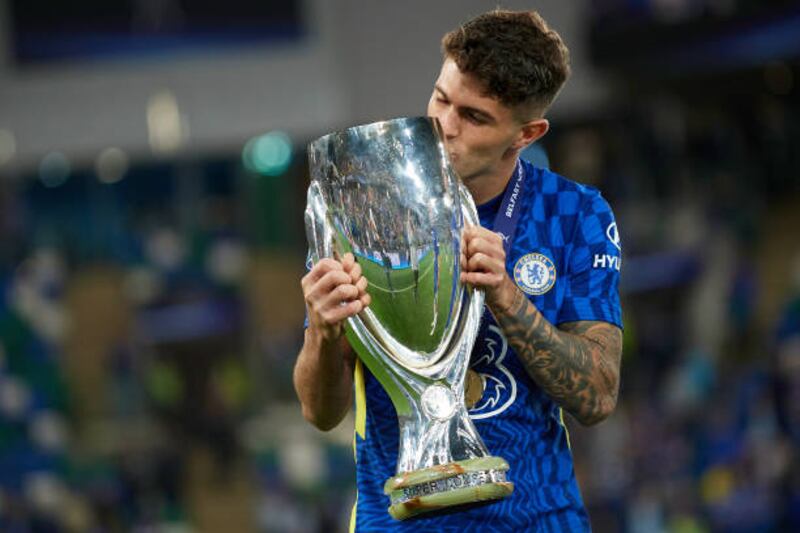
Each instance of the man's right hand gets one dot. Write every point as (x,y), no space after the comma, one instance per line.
(333,291)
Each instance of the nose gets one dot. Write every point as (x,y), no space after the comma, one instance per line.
(449,121)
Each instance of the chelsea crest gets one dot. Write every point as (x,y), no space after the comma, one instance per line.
(535,274)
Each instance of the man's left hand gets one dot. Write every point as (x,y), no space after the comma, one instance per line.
(483,265)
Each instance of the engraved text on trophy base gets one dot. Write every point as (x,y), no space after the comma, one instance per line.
(460,481)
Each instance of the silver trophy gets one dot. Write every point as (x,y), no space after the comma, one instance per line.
(386,192)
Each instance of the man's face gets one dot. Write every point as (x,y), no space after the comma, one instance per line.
(479,129)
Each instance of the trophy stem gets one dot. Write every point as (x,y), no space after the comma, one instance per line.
(379,368)
(449,485)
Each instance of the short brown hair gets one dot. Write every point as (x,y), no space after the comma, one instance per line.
(519,59)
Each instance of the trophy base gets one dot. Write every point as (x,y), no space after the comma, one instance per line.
(449,485)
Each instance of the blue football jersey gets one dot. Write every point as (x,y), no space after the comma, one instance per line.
(566,257)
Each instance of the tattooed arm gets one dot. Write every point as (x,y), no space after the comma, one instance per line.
(577,364)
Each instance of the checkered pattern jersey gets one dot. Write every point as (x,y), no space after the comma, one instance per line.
(573,226)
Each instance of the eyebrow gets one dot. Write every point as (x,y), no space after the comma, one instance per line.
(475,110)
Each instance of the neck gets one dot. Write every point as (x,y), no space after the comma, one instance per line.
(487,186)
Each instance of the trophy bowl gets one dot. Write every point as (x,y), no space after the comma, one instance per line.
(387,193)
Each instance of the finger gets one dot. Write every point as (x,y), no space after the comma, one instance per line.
(487,234)
(366,299)
(322,267)
(339,297)
(492,236)
(326,284)
(361,285)
(348,261)
(342,293)
(477,244)
(469,231)
(355,272)
(480,236)
(492,248)
(480,279)
(334,315)
(481,262)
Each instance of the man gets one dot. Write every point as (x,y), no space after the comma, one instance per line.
(552,336)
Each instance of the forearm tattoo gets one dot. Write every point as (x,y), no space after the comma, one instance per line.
(576,365)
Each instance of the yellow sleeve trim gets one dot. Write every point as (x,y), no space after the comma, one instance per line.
(361,423)
(361,400)
(353,516)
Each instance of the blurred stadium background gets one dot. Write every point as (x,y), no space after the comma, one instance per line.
(152,180)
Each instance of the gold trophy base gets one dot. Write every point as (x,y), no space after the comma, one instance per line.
(449,485)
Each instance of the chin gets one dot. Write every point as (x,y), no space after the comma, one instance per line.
(463,175)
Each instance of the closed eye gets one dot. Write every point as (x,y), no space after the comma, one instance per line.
(476,118)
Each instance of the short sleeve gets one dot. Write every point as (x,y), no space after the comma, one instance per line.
(593,266)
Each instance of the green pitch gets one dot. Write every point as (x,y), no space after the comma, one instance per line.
(406,305)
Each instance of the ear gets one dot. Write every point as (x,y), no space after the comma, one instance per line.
(531,131)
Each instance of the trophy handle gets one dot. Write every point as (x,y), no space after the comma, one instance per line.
(468,209)
(318,230)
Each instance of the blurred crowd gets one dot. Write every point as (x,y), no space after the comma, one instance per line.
(139,368)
